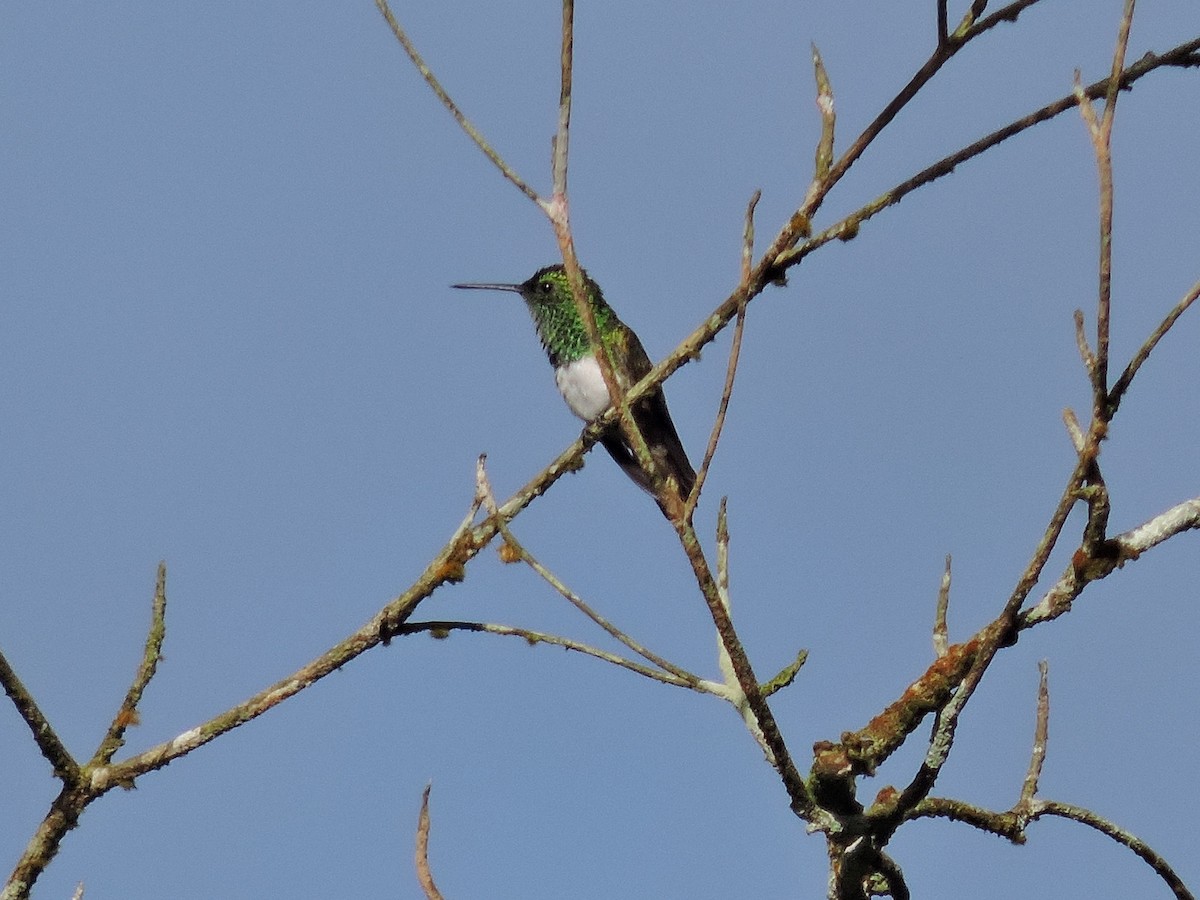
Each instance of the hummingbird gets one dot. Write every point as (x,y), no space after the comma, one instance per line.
(547,295)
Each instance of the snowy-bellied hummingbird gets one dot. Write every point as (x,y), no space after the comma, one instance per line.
(564,337)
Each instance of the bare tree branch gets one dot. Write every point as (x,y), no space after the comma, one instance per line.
(1151,857)
(863,750)
(1011,825)
(442,628)
(1100,132)
(44,735)
(735,351)
(1041,733)
(472,132)
(562,137)
(1122,384)
(447,566)
(1115,553)
(802,800)
(570,596)
(776,257)
(128,713)
(846,227)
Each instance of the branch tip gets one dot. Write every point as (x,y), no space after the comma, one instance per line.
(421,857)
(940,631)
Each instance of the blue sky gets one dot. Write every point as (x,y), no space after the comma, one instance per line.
(227,340)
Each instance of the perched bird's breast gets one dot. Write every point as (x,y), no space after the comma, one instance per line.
(582,385)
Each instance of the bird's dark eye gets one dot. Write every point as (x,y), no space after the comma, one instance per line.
(545,287)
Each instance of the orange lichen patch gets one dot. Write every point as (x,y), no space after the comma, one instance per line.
(452,570)
(884,733)
(127,717)
(887,796)
(830,760)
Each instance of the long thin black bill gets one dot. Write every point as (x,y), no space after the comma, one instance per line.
(516,288)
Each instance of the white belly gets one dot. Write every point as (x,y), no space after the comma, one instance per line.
(582,386)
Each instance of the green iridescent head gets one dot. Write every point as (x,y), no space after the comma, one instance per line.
(547,294)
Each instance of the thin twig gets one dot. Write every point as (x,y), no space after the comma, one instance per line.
(1183,54)
(802,801)
(446,566)
(775,258)
(51,745)
(555,582)
(562,136)
(1122,384)
(450,105)
(1074,431)
(1099,133)
(825,105)
(424,874)
(1117,551)
(1148,855)
(1118,65)
(735,351)
(1041,732)
(786,675)
(128,713)
(575,600)
(1011,825)
(939,618)
(441,628)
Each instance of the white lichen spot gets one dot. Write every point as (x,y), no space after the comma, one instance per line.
(186,739)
